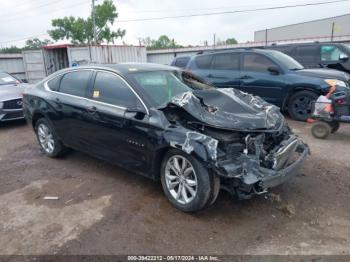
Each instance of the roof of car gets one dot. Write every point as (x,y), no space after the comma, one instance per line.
(125,68)
(258,50)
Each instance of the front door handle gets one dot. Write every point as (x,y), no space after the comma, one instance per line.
(92,109)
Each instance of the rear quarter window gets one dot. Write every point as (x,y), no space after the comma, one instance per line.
(203,61)
(54,84)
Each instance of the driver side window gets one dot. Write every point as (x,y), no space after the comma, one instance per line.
(111,89)
(331,53)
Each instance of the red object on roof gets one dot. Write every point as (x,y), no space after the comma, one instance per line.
(56,46)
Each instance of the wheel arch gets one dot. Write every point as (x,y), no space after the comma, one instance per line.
(200,153)
(295,90)
(36,116)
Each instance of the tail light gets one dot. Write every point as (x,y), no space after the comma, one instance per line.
(340,101)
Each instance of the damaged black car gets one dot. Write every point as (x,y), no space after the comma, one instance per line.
(168,125)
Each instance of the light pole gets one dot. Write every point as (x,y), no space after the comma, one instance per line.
(94,21)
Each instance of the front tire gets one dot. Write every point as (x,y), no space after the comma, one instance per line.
(300,105)
(186,183)
(50,144)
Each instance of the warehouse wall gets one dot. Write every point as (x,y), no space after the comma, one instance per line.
(308,30)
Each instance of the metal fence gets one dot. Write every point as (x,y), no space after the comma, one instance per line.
(13,63)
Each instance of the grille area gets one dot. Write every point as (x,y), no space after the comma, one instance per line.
(15,115)
(13,104)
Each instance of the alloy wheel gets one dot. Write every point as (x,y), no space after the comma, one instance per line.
(181,179)
(46,138)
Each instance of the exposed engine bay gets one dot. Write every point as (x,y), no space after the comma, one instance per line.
(248,161)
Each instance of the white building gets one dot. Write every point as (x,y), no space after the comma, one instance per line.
(334,28)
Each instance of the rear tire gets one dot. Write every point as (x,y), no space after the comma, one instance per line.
(300,105)
(186,183)
(321,129)
(50,144)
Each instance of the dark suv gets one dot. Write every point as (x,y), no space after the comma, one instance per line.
(318,55)
(272,75)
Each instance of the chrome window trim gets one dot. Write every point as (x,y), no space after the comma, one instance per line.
(47,88)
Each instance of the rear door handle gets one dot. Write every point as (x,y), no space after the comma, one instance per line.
(245,77)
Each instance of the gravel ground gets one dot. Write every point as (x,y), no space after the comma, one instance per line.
(103,209)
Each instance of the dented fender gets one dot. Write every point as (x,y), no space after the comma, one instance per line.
(191,142)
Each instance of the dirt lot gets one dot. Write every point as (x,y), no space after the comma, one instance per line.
(103,209)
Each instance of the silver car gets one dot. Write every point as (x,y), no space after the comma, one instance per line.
(11,90)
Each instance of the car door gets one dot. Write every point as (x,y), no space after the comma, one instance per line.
(70,106)
(118,124)
(224,72)
(256,78)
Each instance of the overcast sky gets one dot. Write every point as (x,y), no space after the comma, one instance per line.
(20,19)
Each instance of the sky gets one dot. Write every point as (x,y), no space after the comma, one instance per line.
(23,19)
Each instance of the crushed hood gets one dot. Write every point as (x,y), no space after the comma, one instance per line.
(228,108)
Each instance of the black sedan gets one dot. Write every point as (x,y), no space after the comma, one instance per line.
(166,124)
(11,90)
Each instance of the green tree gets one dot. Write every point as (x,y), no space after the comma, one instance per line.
(231,41)
(36,43)
(162,42)
(11,50)
(79,30)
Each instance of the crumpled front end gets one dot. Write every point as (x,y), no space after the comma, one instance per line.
(263,161)
(241,138)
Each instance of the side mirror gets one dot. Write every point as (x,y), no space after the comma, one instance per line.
(274,70)
(137,112)
(343,57)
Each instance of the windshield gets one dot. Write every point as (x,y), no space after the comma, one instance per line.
(6,79)
(286,60)
(160,86)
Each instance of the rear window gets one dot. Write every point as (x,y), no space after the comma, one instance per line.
(182,62)
(312,52)
(226,61)
(203,61)
(256,63)
(75,83)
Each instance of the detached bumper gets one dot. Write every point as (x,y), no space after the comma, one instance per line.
(248,177)
(272,178)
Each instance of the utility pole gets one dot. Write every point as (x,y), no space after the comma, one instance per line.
(94,21)
(214,41)
(332,35)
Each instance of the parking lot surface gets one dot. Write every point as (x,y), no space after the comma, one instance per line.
(103,209)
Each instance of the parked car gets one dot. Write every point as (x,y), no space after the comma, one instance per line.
(166,124)
(11,90)
(180,62)
(319,55)
(270,74)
